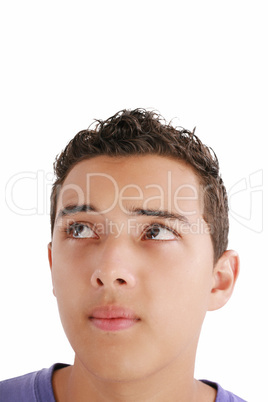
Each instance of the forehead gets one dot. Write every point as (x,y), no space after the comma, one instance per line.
(141,168)
(162,181)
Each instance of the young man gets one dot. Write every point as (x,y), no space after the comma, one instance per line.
(139,220)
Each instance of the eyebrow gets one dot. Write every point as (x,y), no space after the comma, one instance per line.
(75,209)
(157,213)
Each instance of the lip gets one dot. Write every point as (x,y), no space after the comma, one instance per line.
(113,318)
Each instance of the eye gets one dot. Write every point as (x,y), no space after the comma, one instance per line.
(159,232)
(81,231)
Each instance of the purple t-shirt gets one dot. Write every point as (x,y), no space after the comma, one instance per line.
(37,387)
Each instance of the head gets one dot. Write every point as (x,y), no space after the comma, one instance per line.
(134,282)
(142,132)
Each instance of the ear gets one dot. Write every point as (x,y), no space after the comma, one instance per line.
(225,275)
(49,250)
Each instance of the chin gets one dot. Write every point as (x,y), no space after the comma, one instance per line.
(125,368)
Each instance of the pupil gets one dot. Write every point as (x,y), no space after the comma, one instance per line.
(154,231)
(78,229)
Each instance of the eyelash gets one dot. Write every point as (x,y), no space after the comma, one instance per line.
(71,227)
(158,225)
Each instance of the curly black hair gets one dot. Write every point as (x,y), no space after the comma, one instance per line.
(141,132)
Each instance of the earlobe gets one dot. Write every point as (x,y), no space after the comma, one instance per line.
(225,275)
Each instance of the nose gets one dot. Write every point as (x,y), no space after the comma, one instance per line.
(114,269)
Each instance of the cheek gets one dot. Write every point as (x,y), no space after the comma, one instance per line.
(181,283)
(67,284)
(181,304)
(67,260)
(67,290)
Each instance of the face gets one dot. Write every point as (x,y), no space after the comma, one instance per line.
(132,264)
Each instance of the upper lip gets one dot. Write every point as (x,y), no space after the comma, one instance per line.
(112,311)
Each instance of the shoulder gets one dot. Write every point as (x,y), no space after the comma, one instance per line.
(222,394)
(31,387)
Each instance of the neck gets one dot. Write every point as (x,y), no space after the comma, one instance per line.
(76,383)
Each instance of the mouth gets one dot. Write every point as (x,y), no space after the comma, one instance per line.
(113,318)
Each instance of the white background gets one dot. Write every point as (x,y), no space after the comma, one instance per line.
(65,63)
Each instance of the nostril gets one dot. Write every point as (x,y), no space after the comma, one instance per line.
(121,281)
(101,279)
